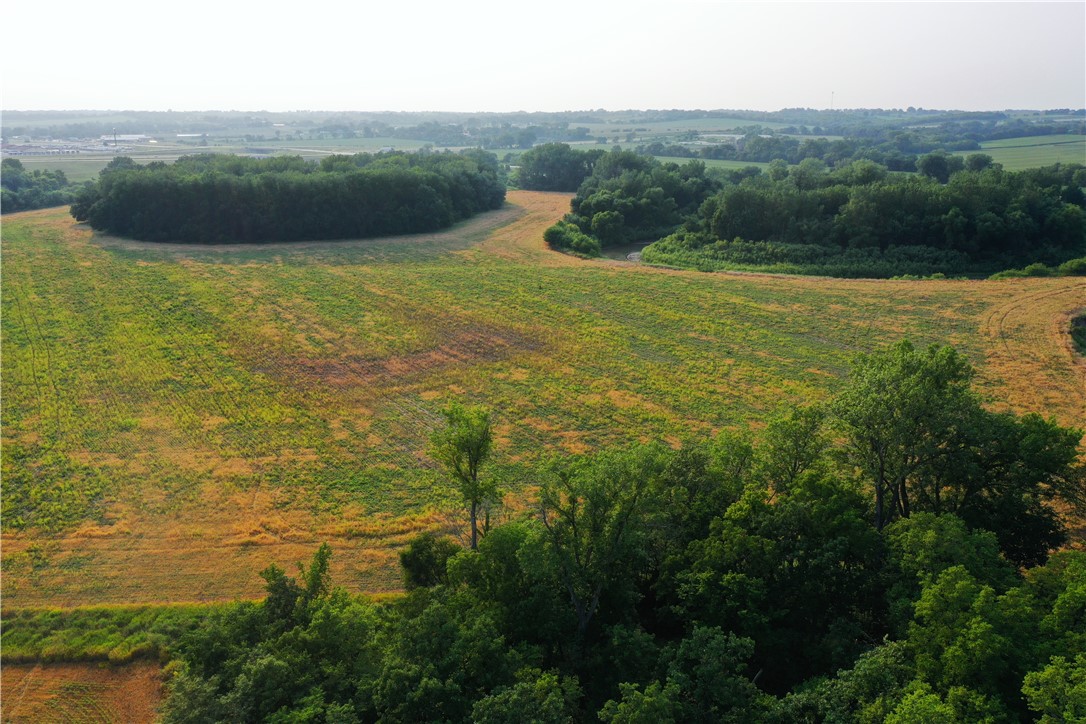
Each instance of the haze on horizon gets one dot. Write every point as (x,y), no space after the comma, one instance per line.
(487,55)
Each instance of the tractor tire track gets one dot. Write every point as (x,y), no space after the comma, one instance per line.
(1031,354)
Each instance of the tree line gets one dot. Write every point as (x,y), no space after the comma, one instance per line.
(883,557)
(212,198)
(899,149)
(956,215)
(22,190)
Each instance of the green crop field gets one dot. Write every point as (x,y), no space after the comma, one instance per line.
(1033,151)
(176,418)
(85,167)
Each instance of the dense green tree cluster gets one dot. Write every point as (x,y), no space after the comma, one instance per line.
(555,167)
(765,148)
(860,220)
(22,190)
(213,198)
(630,197)
(961,216)
(730,580)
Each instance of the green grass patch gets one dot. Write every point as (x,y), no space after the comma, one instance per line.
(1078,333)
(117,634)
(714,162)
(660,128)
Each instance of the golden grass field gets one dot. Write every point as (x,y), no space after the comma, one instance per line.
(189,415)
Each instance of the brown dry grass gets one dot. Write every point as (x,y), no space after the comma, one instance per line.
(522,240)
(76,693)
(1031,351)
(211,552)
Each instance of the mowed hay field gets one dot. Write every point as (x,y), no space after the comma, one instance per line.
(177,418)
(80,693)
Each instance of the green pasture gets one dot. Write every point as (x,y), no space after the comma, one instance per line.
(1028,141)
(85,167)
(76,168)
(1034,151)
(113,634)
(340,145)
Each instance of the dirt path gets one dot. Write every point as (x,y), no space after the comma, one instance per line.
(522,240)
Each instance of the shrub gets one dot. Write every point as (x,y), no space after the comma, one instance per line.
(567,237)
(424,559)
(1037,270)
(1072,267)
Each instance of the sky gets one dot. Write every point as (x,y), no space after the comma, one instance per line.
(550,55)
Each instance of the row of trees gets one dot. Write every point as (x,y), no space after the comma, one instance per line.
(764,148)
(900,144)
(22,190)
(860,219)
(976,218)
(213,198)
(881,558)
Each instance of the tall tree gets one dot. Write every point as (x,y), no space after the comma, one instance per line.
(462,446)
(921,438)
(899,413)
(594,515)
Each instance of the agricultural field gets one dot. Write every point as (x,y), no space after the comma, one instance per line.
(85,166)
(67,693)
(176,418)
(1032,151)
(669,128)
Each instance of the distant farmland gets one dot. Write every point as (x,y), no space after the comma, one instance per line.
(1033,151)
(85,166)
(189,415)
(1014,153)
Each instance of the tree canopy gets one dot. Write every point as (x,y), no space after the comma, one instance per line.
(857,220)
(742,578)
(212,198)
(21,190)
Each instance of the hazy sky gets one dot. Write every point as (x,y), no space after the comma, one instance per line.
(483,55)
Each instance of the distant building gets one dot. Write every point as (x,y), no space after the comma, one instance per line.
(126,137)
